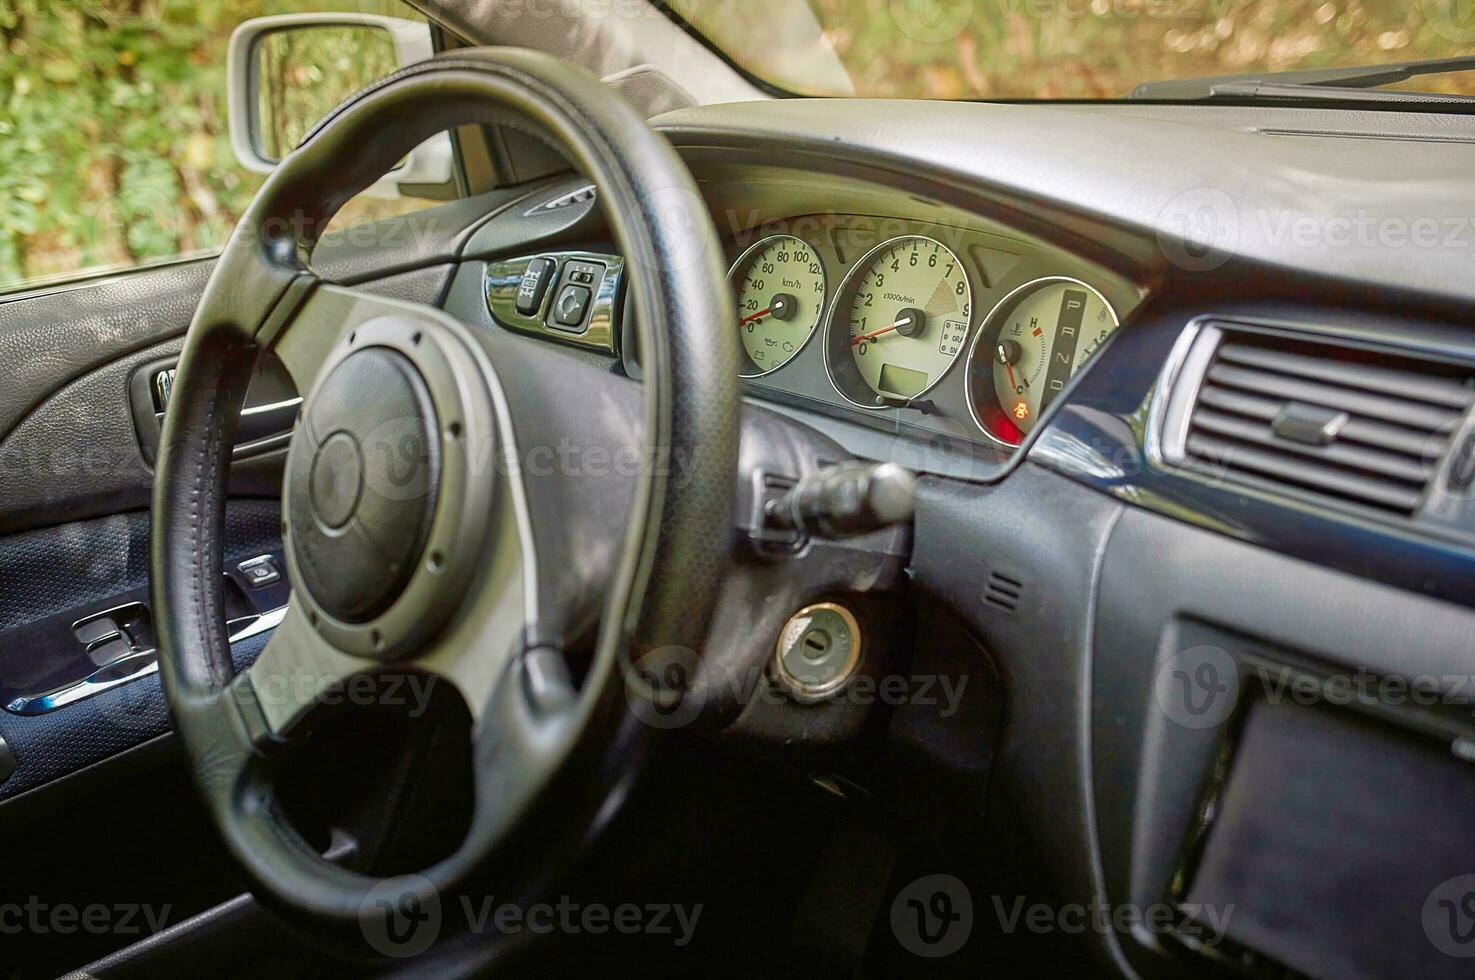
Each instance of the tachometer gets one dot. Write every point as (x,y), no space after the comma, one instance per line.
(1032,343)
(899,322)
(780,287)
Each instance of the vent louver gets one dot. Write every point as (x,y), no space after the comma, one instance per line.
(1003,591)
(1337,420)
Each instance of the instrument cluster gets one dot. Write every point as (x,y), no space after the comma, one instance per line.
(898,326)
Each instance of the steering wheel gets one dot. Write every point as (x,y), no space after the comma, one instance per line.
(466,566)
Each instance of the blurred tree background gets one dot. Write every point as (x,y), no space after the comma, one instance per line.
(1075,49)
(114,147)
(306,74)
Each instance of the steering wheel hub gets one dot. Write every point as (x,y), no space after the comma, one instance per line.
(337,481)
(365,475)
(383,510)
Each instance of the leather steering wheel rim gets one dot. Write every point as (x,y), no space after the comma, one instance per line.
(677,288)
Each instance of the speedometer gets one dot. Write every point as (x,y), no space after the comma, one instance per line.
(1032,343)
(899,322)
(780,287)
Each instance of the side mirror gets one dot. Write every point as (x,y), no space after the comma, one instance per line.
(288,71)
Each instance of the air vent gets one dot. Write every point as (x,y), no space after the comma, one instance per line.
(1003,592)
(1340,421)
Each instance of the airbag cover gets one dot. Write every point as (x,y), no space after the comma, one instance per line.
(363,475)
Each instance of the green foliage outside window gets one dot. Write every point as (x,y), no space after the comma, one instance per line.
(114,146)
(305,74)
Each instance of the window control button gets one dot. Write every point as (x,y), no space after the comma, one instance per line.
(571,306)
(96,630)
(260,574)
(105,653)
(534,285)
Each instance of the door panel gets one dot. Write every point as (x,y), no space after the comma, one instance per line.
(77,569)
(50,338)
(72,450)
(75,488)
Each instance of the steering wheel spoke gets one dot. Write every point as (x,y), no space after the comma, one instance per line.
(314,319)
(293,672)
(299,669)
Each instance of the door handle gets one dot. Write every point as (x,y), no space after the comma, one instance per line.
(270,412)
(261,424)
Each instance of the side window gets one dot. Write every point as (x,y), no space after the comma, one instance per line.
(115,142)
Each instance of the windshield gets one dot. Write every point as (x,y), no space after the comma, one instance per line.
(1068,49)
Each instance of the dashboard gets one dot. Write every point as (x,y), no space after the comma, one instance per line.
(1147,424)
(944,331)
(891,313)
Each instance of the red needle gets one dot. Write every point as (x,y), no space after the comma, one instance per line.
(760,314)
(857,341)
(1012,383)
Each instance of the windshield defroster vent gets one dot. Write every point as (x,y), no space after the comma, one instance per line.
(1330,418)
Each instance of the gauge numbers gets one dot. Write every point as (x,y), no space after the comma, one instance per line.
(901,320)
(780,287)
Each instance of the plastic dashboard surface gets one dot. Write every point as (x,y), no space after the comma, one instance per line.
(842,189)
(1100,439)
